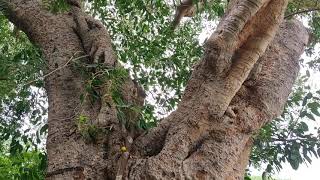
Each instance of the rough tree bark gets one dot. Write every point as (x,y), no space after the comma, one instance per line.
(242,82)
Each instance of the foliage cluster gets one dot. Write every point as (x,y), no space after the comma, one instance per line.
(22,165)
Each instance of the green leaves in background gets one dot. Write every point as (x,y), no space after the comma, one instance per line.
(294,137)
(22,98)
(23,165)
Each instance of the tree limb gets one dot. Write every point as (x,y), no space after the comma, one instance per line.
(199,147)
(27,15)
(187,9)
(182,10)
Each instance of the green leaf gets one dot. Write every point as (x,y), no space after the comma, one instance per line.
(310,116)
(83,119)
(315,111)
(305,100)
(303,127)
(294,163)
(44,129)
(305,155)
(303,114)
(314,106)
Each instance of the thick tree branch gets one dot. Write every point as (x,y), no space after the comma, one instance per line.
(180,12)
(232,51)
(224,41)
(185,9)
(198,147)
(275,80)
(60,37)
(27,15)
(198,139)
(259,32)
(209,92)
(95,38)
(188,8)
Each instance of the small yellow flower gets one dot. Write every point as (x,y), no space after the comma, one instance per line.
(124,149)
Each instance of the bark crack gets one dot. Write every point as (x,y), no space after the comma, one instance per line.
(64,170)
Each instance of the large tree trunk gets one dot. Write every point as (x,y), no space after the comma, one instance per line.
(242,82)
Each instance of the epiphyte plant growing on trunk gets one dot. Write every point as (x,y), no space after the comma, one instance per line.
(223,94)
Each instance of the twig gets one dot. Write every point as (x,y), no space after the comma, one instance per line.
(55,70)
(302,11)
(288,140)
(295,122)
(4,79)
